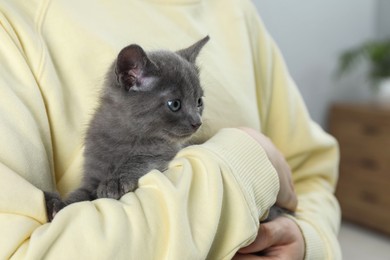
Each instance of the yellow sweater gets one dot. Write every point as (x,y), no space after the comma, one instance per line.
(53,57)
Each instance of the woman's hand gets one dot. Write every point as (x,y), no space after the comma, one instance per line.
(280,238)
(286,197)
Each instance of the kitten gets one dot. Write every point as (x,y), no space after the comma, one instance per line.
(150,106)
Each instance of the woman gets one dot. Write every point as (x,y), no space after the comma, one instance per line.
(209,202)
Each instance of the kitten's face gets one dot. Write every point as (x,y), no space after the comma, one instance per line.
(159,93)
(173,105)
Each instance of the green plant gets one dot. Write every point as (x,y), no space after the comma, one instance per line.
(376,53)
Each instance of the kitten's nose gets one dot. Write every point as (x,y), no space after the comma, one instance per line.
(196,125)
(195,121)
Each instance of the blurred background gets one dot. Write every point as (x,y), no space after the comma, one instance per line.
(354,107)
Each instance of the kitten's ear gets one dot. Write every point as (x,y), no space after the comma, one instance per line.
(192,52)
(133,67)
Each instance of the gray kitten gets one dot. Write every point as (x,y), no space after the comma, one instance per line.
(151,104)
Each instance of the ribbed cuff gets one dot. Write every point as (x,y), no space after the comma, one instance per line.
(249,165)
(314,245)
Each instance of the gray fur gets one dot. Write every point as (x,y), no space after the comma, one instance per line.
(133,130)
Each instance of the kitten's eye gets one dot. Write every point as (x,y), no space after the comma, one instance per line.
(200,102)
(174,105)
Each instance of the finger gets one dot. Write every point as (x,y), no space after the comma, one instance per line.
(293,203)
(267,235)
(287,199)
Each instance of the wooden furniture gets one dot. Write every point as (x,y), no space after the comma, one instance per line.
(363,190)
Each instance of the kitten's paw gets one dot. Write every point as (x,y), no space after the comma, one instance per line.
(115,188)
(54,204)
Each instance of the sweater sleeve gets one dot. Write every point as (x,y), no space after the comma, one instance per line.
(311,153)
(206,205)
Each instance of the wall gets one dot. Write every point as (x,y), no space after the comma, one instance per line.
(311,35)
(383,19)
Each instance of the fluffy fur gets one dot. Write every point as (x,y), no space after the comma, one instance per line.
(151,104)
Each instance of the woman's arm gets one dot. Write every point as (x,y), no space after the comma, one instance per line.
(206,206)
(311,153)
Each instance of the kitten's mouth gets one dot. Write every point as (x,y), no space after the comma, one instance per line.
(183,135)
